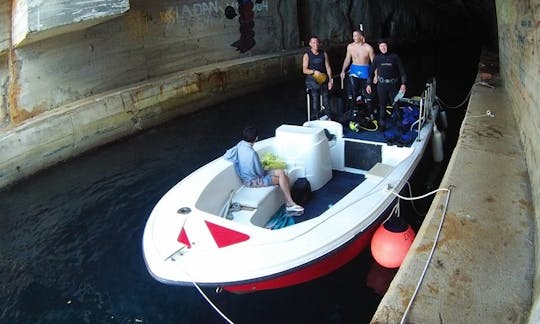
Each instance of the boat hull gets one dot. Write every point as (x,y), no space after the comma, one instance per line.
(312,270)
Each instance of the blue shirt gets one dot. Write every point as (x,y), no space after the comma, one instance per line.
(246,161)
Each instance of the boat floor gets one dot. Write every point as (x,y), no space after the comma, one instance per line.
(379,136)
(340,185)
(392,133)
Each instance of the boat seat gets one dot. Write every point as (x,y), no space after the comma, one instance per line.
(264,201)
(252,197)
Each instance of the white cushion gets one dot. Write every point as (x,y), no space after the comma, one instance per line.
(252,197)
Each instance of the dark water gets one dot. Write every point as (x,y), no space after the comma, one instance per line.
(70,237)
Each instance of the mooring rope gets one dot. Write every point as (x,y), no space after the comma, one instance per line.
(424,271)
(207,298)
(442,103)
(211,304)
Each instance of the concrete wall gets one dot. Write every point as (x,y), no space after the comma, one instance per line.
(5,44)
(39,19)
(68,87)
(151,40)
(74,128)
(519,54)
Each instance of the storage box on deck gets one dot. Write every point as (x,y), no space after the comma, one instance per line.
(305,147)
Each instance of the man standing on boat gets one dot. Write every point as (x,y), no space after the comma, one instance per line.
(249,168)
(316,65)
(391,79)
(361,54)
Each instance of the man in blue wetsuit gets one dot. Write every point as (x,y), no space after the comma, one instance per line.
(391,79)
(361,54)
(249,168)
(316,65)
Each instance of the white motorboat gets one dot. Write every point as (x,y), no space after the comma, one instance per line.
(210,230)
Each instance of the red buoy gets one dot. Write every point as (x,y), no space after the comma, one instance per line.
(391,242)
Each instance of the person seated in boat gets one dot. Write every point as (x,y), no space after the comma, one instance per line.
(248,166)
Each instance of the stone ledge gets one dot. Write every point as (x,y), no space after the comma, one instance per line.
(483,266)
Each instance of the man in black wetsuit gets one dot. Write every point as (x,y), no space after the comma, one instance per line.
(391,78)
(316,65)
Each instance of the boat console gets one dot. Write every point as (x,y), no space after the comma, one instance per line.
(305,148)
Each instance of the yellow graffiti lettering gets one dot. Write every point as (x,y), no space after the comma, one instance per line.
(168,16)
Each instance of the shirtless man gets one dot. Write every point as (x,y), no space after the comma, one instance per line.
(361,54)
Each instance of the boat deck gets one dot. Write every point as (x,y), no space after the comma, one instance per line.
(363,152)
(391,135)
(340,185)
(375,136)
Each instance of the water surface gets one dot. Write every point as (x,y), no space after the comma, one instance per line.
(70,236)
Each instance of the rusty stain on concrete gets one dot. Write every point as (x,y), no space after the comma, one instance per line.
(137,21)
(526,204)
(452,229)
(190,88)
(423,248)
(20,114)
(433,288)
(495,132)
(405,293)
(459,277)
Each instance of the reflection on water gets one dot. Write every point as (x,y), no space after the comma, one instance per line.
(70,237)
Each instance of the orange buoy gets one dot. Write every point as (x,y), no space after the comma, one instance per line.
(391,242)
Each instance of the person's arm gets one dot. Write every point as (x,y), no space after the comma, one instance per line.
(370,79)
(346,62)
(257,164)
(371,53)
(402,73)
(328,71)
(305,64)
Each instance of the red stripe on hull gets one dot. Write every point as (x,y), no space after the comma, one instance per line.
(319,268)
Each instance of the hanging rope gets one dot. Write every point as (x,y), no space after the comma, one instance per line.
(424,271)
(212,304)
(439,100)
(207,298)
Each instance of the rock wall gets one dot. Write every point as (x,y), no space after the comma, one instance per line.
(519,54)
